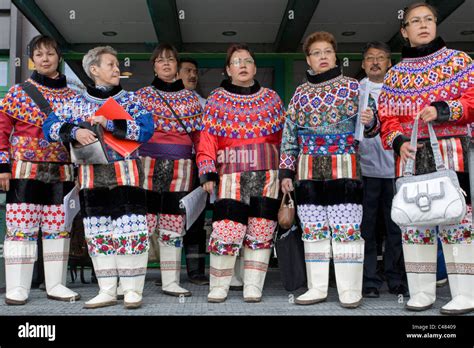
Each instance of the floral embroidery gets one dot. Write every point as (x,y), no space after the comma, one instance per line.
(101,244)
(345,232)
(315,231)
(168,239)
(55,235)
(256,245)
(419,235)
(329,144)
(218,247)
(37,150)
(458,234)
(131,244)
(22,236)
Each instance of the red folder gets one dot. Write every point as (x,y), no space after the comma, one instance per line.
(112,110)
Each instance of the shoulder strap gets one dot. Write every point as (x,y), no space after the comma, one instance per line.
(174,113)
(37,97)
(410,164)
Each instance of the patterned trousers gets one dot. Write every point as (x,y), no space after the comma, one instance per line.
(35,200)
(166,182)
(245,212)
(114,209)
(329,209)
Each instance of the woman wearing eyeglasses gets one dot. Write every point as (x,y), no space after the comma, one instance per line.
(239,153)
(318,151)
(167,160)
(427,83)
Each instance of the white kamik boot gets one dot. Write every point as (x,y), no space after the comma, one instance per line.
(349,268)
(420,264)
(132,271)
(106,271)
(170,264)
(317,256)
(460,266)
(20,257)
(55,256)
(255,266)
(221,269)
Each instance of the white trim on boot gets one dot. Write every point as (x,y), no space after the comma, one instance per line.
(55,257)
(132,271)
(106,271)
(317,256)
(420,265)
(237,283)
(349,269)
(255,270)
(20,257)
(460,266)
(170,264)
(220,274)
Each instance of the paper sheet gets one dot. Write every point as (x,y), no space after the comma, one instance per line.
(71,207)
(364,92)
(194,203)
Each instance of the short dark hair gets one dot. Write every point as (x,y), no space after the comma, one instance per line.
(379,45)
(237,47)
(161,48)
(188,60)
(411,7)
(42,40)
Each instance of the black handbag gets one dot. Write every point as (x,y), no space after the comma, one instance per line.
(290,254)
(94,153)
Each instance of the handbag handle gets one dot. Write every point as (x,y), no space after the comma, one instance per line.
(291,203)
(410,164)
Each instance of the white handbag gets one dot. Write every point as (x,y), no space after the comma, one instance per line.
(430,199)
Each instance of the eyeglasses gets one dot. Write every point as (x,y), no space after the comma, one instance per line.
(241,61)
(190,71)
(165,60)
(417,21)
(371,59)
(318,54)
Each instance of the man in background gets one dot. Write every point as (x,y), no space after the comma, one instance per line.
(378,176)
(195,238)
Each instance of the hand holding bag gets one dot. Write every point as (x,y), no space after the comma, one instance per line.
(286,213)
(431,199)
(94,153)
